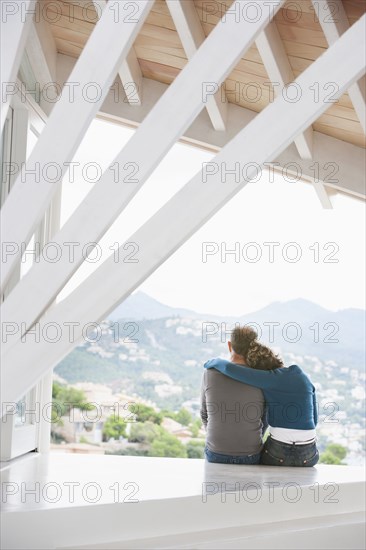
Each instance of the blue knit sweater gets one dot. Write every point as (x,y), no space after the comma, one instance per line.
(289,393)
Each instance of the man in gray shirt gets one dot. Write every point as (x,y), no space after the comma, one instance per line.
(233,415)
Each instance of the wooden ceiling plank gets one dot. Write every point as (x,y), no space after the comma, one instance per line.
(342,123)
(157,71)
(342,111)
(68,48)
(82,27)
(303,51)
(302,36)
(161,20)
(354,9)
(147,54)
(341,134)
(66,35)
(159,46)
(165,35)
(72,11)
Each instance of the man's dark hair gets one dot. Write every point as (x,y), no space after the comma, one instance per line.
(257,356)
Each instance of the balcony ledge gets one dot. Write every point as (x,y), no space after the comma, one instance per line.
(93,501)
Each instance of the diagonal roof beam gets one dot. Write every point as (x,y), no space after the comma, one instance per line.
(161,128)
(129,71)
(323,194)
(279,70)
(192,35)
(90,81)
(262,140)
(350,159)
(16,21)
(334,22)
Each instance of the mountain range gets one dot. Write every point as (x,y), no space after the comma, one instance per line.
(300,325)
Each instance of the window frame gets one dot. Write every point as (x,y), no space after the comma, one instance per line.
(25,116)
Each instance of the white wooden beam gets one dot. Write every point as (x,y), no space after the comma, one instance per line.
(322,194)
(184,214)
(279,70)
(337,164)
(192,36)
(131,78)
(89,83)
(130,71)
(159,131)
(334,22)
(16,21)
(42,54)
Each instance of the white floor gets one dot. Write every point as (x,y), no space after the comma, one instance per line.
(92,501)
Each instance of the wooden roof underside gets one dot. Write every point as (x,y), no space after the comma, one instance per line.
(161,55)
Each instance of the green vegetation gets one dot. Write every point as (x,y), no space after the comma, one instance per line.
(149,437)
(128,451)
(167,445)
(195,427)
(195,449)
(65,398)
(334,453)
(144,413)
(184,417)
(114,427)
(144,432)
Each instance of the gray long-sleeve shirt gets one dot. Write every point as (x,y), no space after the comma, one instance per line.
(232,414)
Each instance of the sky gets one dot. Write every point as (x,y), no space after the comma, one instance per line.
(329,245)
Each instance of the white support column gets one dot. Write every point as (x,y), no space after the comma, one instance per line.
(130,71)
(261,141)
(192,36)
(161,128)
(42,54)
(16,20)
(323,194)
(93,74)
(51,226)
(279,70)
(334,22)
(131,78)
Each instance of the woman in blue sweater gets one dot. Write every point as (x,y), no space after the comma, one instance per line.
(289,395)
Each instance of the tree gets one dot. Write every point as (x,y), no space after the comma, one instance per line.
(338,450)
(334,453)
(65,398)
(144,432)
(167,445)
(144,413)
(114,427)
(195,427)
(329,458)
(195,449)
(183,417)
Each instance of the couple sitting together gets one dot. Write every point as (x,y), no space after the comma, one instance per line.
(253,391)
